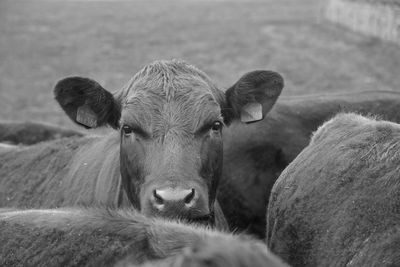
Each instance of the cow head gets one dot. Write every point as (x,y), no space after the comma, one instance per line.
(170,117)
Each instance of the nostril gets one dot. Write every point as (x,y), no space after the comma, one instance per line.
(158,198)
(189,197)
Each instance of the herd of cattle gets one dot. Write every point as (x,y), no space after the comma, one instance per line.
(197,176)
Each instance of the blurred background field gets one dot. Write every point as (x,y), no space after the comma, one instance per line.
(42,41)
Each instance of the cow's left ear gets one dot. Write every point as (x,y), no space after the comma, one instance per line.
(253,96)
(87,103)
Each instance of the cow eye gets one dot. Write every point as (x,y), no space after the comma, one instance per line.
(127,130)
(217,126)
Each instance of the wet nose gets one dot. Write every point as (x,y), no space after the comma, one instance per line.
(174,198)
(184,203)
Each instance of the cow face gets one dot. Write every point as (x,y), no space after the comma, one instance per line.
(170,116)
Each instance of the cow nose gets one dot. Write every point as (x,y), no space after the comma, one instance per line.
(184,198)
(177,202)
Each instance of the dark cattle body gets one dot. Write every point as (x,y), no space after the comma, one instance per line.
(338,202)
(256,154)
(95,237)
(28,133)
(166,158)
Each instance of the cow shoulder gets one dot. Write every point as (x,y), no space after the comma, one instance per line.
(37,175)
(338,195)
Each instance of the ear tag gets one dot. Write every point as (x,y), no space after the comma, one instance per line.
(251,112)
(86,116)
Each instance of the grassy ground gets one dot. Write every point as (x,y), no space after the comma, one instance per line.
(42,41)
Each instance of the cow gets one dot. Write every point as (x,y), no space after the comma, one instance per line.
(5,147)
(29,133)
(256,154)
(338,202)
(165,159)
(104,237)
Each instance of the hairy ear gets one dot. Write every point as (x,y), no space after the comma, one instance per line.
(253,96)
(87,103)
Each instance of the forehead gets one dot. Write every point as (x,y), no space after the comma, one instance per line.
(169,80)
(171,87)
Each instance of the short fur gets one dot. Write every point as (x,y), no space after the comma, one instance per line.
(50,174)
(216,253)
(170,107)
(337,203)
(28,133)
(256,154)
(98,237)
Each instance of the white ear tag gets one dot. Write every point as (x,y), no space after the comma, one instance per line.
(86,116)
(251,112)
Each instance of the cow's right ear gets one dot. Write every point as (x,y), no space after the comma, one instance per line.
(87,103)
